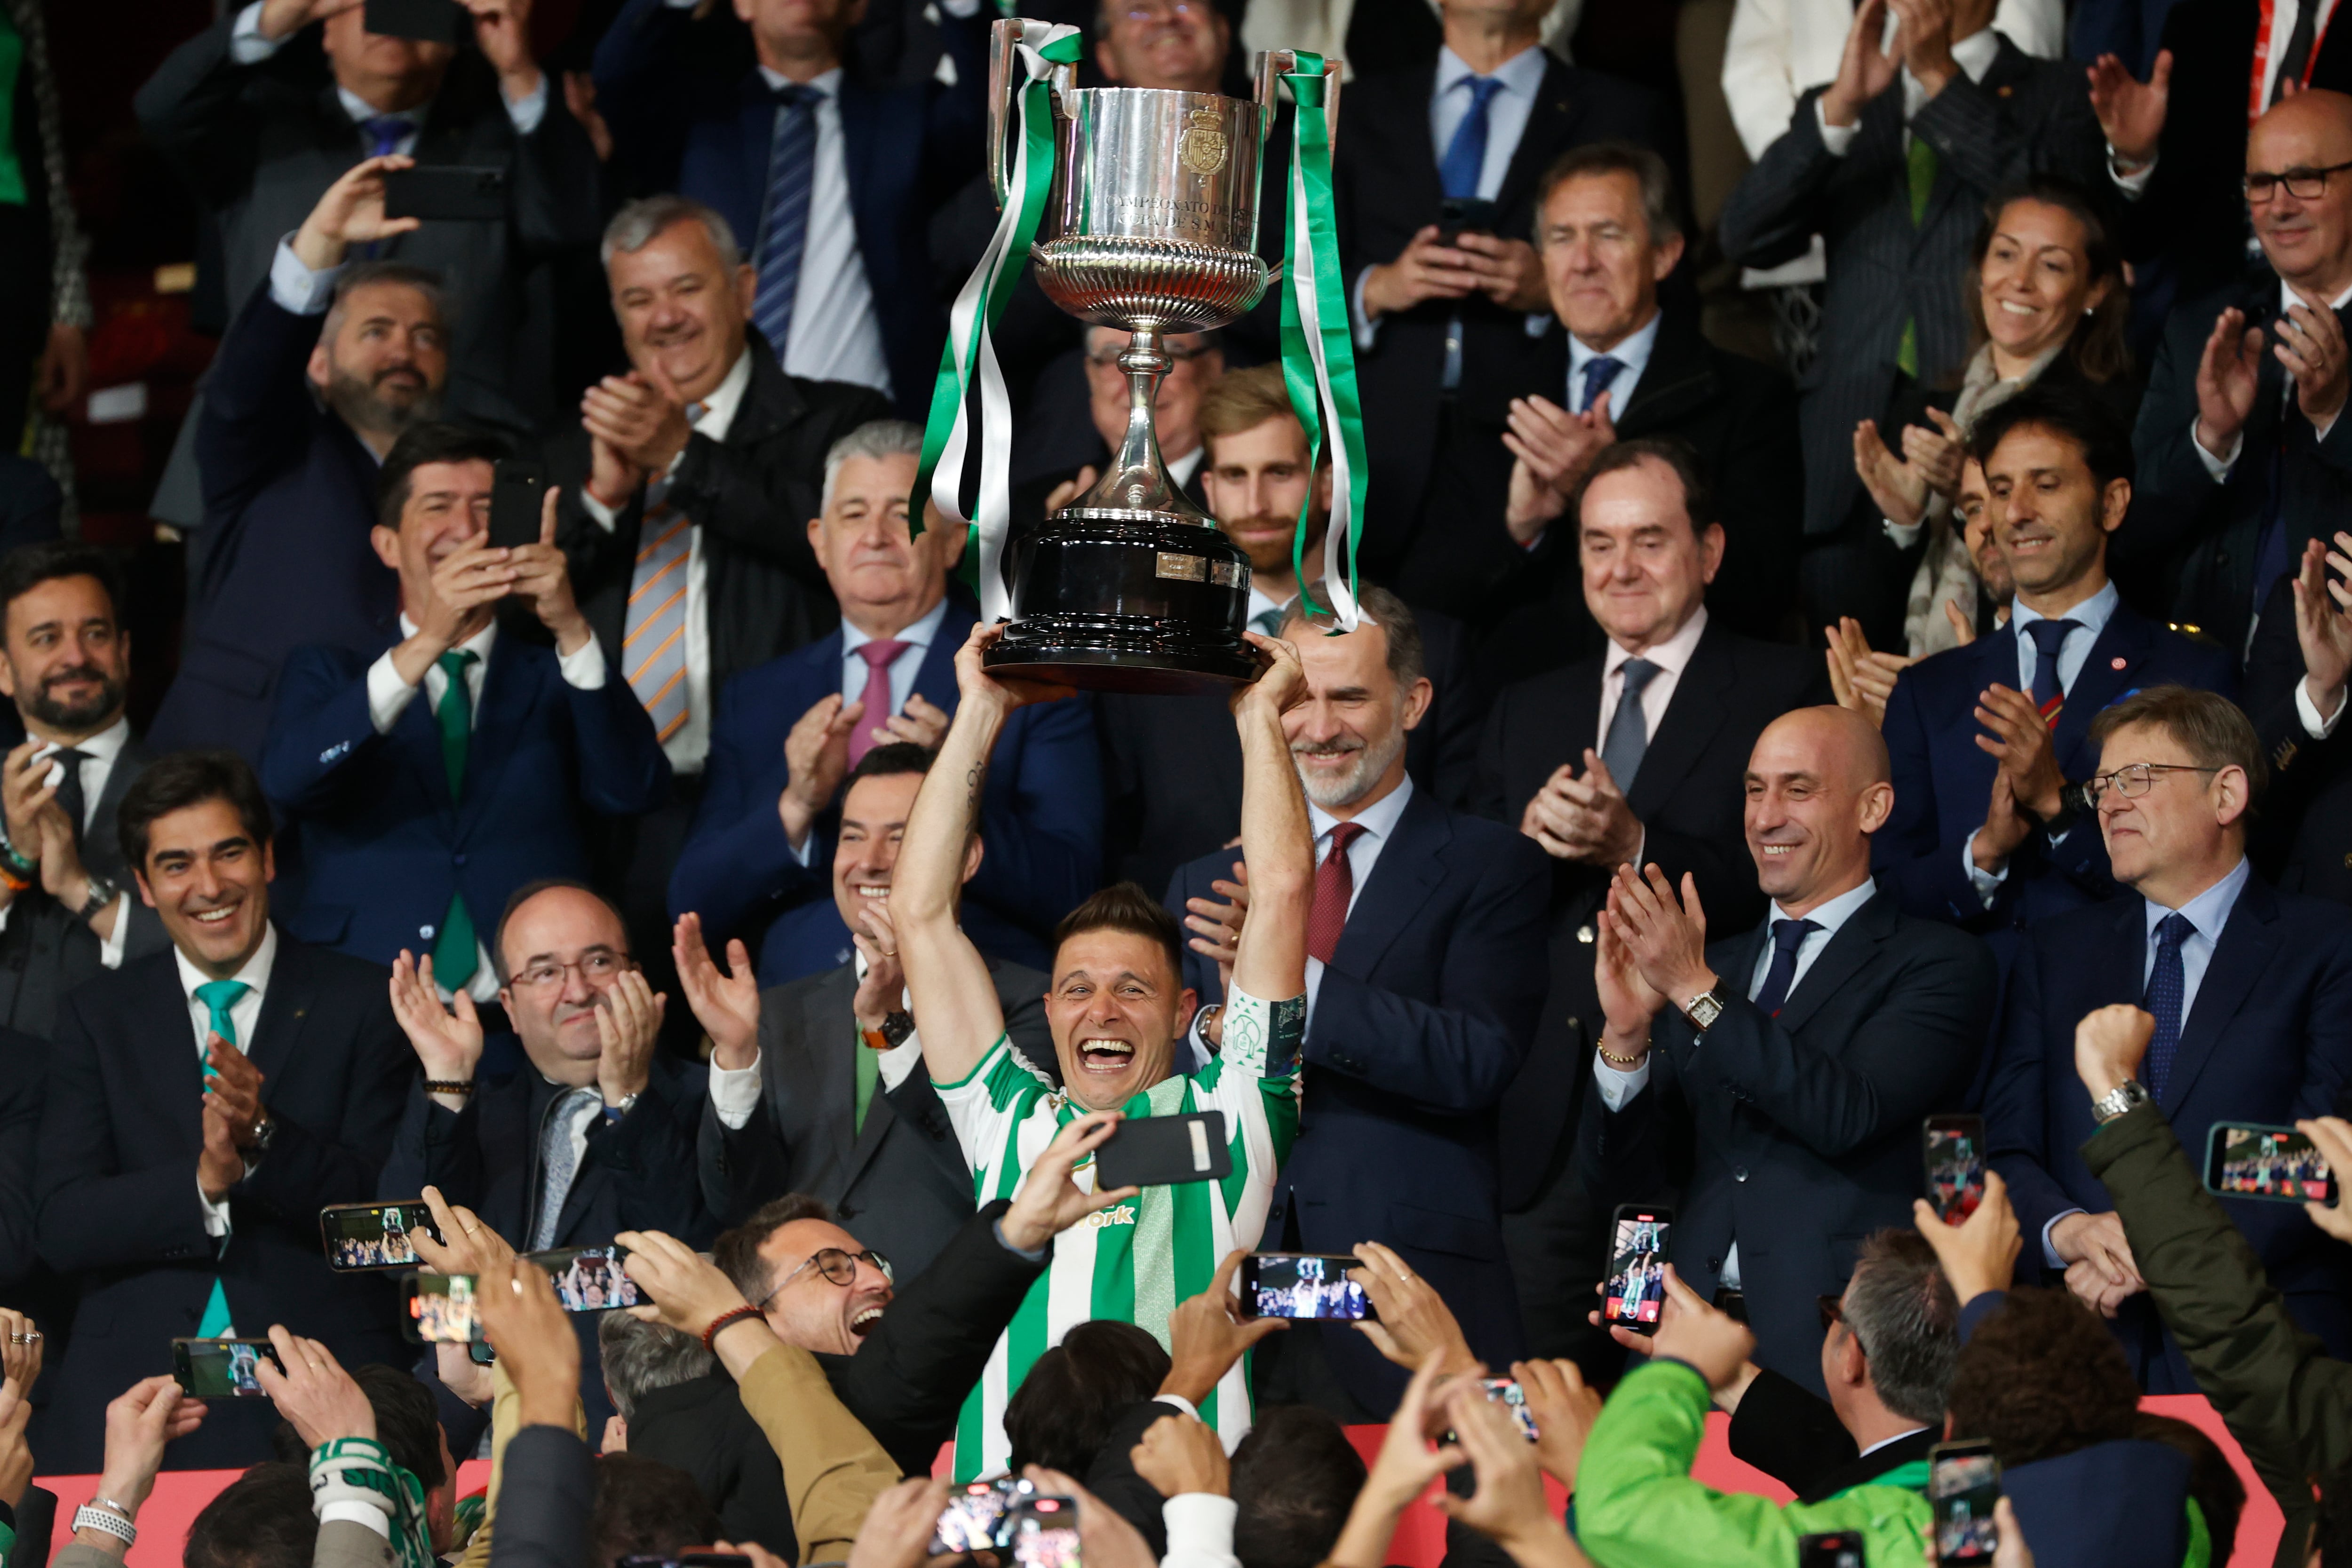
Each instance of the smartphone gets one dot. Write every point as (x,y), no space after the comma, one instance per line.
(1954,1147)
(1963,1483)
(1830,1549)
(439,1309)
(1043,1531)
(1302,1285)
(359,1236)
(515,492)
(1458,215)
(1638,1246)
(589,1279)
(456,192)
(2250,1160)
(974,1519)
(1161,1151)
(221,1368)
(1514,1398)
(428,21)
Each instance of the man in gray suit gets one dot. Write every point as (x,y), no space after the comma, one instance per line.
(1891,163)
(816,1086)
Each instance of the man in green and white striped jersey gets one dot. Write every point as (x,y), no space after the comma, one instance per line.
(1119,1012)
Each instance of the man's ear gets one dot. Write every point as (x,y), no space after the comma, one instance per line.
(1710,552)
(747,276)
(387,545)
(1417,698)
(1878,806)
(816,540)
(1669,255)
(1186,1004)
(1852,1365)
(268,860)
(318,368)
(2114,502)
(146,893)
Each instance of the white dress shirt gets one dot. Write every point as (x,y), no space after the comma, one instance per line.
(2091,617)
(246,47)
(1619,1085)
(2219,464)
(1634,353)
(1670,656)
(689,748)
(245,1014)
(1974,55)
(1200,1528)
(834,336)
(100,753)
(1181,469)
(735,1092)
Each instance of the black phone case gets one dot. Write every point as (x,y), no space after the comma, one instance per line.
(430,21)
(456,192)
(515,500)
(1161,1151)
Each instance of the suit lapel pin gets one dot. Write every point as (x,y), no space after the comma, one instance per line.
(2118,662)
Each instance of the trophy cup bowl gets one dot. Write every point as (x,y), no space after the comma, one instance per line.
(1151,227)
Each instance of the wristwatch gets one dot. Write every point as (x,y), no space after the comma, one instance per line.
(101,893)
(2073,802)
(1702,1009)
(2119,1100)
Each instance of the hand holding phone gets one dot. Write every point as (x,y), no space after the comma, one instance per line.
(589,1279)
(2250,1159)
(1163,1150)
(1954,1150)
(363,1237)
(221,1368)
(1963,1485)
(517,486)
(451,194)
(1043,1531)
(1302,1285)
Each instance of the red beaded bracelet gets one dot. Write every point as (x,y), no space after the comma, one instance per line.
(724,1321)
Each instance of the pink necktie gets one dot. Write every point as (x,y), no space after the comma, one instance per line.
(877,655)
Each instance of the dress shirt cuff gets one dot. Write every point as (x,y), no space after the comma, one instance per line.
(1026,1254)
(735,1092)
(901,1060)
(526,111)
(1200,1531)
(1366,330)
(215,1214)
(246,47)
(606,516)
(583,669)
(2319,432)
(388,696)
(1314,985)
(356,1512)
(807,846)
(1986,883)
(1835,139)
(2131,183)
(2049,1249)
(2313,725)
(681,5)
(1178,1402)
(1619,1084)
(1904,534)
(2218,466)
(294,287)
(109,948)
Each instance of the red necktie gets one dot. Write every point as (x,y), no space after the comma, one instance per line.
(1335,887)
(877,655)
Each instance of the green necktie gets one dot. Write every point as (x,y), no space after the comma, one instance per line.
(457,954)
(869,1072)
(218,997)
(1919,164)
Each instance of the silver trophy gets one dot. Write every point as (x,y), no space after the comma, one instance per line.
(1151,227)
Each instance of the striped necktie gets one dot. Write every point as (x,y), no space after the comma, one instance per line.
(653,639)
(783,229)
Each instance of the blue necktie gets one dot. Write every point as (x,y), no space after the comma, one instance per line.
(1598,374)
(2049,637)
(784,232)
(2167,990)
(385,132)
(1622,749)
(1465,155)
(1788,936)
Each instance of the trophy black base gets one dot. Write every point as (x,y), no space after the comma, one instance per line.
(1128,601)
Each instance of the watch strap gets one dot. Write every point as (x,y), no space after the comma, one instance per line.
(91,1516)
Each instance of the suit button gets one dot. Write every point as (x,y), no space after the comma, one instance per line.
(1739,1172)
(1584,934)
(1714,1264)
(457,859)
(426,932)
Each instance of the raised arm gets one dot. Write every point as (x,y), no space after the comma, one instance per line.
(1277,843)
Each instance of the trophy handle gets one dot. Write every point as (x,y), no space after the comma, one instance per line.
(1273,64)
(1005,80)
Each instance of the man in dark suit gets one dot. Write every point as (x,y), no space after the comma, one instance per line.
(1892,167)
(1441,304)
(65,663)
(2247,991)
(1425,973)
(832,179)
(419,818)
(2296,688)
(814,1087)
(790,731)
(1989,738)
(1778,1076)
(298,413)
(2242,454)
(1634,755)
(298,1076)
(591,1133)
(1078,417)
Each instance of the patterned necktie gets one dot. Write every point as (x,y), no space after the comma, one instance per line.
(2297,54)
(558,1164)
(1629,731)
(1598,374)
(792,174)
(71,798)
(652,640)
(2167,990)
(218,997)
(1788,936)
(455,953)
(877,655)
(1465,156)
(2049,637)
(1335,887)
(1919,175)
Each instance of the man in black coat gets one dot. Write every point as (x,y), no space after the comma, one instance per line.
(274,1070)
(1441,303)
(1661,785)
(2296,688)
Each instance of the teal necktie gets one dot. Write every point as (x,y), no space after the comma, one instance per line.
(457,954)
(219,996)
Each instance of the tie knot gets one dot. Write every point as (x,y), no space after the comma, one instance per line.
(1639,674)
(1343,834)
(2049,637)
(794,95)
(454,662)
(1788,936)
(879,653)
(219,996)
(1482,91)
(68,757)
(385,131)
(2174,929)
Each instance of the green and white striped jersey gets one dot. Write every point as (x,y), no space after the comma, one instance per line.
(1134,1261)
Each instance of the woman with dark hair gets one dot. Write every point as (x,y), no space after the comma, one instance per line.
(2046,296)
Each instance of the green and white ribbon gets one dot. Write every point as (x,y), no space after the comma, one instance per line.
(969,356)
(1318,356)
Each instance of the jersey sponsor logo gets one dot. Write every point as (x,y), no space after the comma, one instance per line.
(1120,1214)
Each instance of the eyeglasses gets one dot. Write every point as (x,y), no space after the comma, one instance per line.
(2304,184)
(839,1267)
(1833,1311)
(1103,358)
(2137,780)
(599,970)
(1189,10)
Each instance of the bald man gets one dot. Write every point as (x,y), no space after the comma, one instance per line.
(2241,455)
(1785,1067)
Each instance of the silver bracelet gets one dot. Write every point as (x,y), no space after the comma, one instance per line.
(118,1525)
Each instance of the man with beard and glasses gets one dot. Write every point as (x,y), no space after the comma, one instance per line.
(298,413)
(64,661)
(1424,974)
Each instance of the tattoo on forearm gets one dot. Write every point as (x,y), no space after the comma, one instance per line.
(973,783)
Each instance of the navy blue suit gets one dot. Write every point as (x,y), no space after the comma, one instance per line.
(1041,820)
(120,1212)
(290,497)
(681,122)
(1943,779)
(2268,1039)
(384,845)
(1420,1023)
